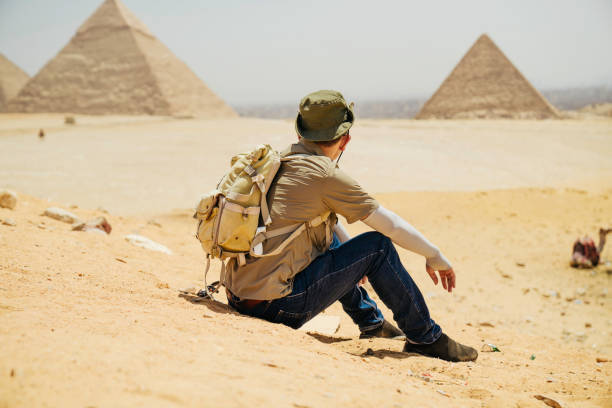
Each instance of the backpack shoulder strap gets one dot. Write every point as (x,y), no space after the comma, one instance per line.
(264,186)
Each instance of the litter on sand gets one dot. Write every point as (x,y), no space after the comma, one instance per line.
(490,348)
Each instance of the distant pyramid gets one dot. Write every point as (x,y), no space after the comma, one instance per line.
(114,65)
(12,79)
(485,84)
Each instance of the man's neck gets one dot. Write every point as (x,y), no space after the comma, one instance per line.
(332,151)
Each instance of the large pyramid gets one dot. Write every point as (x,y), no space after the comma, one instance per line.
(12,79)
(485,84)
(114,65)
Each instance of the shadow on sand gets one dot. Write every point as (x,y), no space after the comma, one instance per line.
(211,304)
(328,339)
(380,354)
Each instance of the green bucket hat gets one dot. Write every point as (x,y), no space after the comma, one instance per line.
(324,116)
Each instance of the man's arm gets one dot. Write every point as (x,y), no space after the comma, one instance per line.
(405,235)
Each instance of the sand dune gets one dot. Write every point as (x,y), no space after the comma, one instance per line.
(90,320)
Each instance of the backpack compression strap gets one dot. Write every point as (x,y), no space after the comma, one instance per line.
(295,232)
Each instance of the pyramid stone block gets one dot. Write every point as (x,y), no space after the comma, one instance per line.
(114,65)
(12,79)
(485,84)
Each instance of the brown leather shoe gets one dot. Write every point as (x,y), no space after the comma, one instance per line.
(385,331)
(444,348)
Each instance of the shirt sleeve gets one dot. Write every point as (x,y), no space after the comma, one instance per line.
(406,236)
(344,196)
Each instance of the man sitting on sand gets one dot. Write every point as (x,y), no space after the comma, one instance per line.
(310,274)
(584,252)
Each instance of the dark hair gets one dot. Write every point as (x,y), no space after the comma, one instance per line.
(330,143)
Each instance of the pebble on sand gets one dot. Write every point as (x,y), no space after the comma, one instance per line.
(9,222)
(61,215)
(548,401)
(146,243)
(8,199)
(97,224)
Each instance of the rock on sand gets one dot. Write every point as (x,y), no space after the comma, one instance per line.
(147,243)
(61,215)
(8,199)
(97,224)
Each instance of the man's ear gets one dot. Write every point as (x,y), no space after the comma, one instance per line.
(344,142)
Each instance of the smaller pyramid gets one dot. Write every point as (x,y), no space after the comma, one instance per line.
(485,84)
(114,65)
(12,79)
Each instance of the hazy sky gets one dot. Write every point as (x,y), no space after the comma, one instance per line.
(277,51)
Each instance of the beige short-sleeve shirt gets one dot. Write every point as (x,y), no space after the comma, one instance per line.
(304,188)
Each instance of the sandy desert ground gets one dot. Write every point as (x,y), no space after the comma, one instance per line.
(90,320)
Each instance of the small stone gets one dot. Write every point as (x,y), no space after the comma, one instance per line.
(587,325)
(443,393)
(154,223)
(8,199)
(369,352)
(10,222)
(602,360)
(97,224)
(146,243)
(550,402)
(577,302)
(61,215)
(580,291)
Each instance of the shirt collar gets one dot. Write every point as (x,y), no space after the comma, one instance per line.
(304,147)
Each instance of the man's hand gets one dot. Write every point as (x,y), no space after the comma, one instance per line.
(447,277)
(363,281)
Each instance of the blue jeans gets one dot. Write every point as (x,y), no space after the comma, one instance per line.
(334,276)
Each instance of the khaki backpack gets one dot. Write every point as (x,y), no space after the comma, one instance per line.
(233,218)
